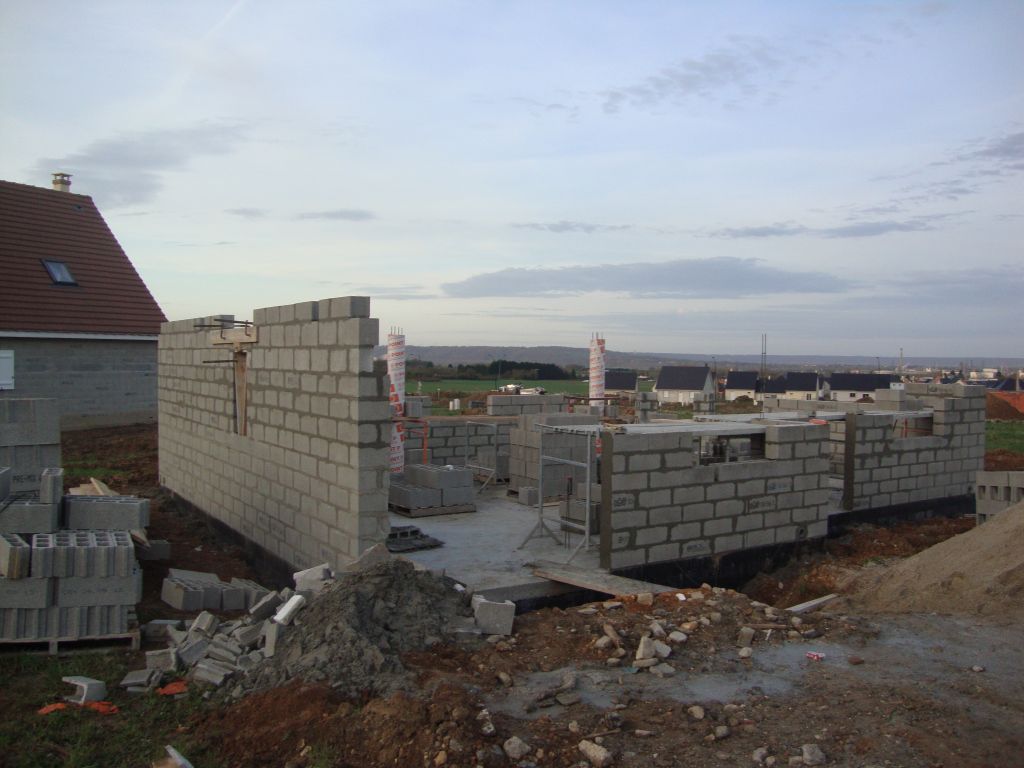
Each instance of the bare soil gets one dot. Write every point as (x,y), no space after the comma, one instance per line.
(892,690)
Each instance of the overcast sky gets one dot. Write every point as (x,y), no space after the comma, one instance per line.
(681,176)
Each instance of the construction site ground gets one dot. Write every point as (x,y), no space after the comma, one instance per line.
(868,689)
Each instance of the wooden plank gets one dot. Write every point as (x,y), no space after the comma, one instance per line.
(598,581)
(812,605)
(248,335)
(454,509)
(102,489)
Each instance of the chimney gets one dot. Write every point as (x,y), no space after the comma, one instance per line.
(62,182)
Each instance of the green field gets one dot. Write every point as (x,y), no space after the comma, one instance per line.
(469,386)
(1004,435)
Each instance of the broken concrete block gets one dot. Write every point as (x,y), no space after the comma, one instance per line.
(271,634)
(266,606)
(212,672)
(192,650)
(158,629)
(253,592)
(287,612)
(493,618)
(142,678)
(204,624)
(312,580)
(165,660)
(87,689)
(15,556)
(110,513)
(248,636)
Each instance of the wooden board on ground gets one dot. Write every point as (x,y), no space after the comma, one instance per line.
(454,509)
(598,581)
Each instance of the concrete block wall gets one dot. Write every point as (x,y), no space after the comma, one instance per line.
(995,491)
(517,405)
(524,453)
(309,481)
(96,383)
(658,503)
(447,440)
(29,439)
(888,461)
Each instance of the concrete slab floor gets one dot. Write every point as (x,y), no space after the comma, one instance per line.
(480,548)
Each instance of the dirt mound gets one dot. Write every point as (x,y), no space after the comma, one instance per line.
(351,634)
(980,572)
(1002,460)
(1004,405)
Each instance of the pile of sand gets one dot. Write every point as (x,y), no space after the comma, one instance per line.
(980,572)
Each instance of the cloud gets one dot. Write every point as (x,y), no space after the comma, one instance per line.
(128,169)
(572,226)
(856,229)
(247,213)
(721,277)
(338,214)
(743,68)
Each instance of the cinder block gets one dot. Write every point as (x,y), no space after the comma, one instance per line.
(51,485)
(123,513)
(77,591)
(25,593)
(166,660)
(253,592)
(457,496)
(5,482)
(22,516)
(183,595)
(494,618)
(15,555)
(411,496)
(266,606)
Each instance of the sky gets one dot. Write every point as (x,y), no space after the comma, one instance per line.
(846,177)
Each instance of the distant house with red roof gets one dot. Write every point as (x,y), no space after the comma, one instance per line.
(77,322)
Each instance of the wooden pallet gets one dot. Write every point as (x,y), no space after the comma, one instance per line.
(130,640)
(454,509)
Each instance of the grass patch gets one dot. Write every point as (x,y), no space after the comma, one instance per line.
(78,738)
(1005,436)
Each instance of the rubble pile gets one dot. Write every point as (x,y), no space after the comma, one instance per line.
(351,634)
(345,629)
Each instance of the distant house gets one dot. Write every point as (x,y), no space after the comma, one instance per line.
(619,382)
(802,385)
(742,384)
(76,321)
(682,383)
(850,387)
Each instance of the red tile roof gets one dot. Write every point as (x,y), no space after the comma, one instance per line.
(110,297)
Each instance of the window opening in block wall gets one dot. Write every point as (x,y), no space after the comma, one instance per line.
(720,449)
(913,426)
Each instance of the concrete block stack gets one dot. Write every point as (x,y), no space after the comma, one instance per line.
(663,505)
(524,453)
(517,405)
(196,591)
(29,440)
(66,584)
(644,404)
(424,486)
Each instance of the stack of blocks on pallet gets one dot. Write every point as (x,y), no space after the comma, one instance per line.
(426,486)
(82,582)
(196,591)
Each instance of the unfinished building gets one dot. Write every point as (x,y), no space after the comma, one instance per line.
(280,429)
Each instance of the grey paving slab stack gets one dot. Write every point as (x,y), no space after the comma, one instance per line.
(29,440)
